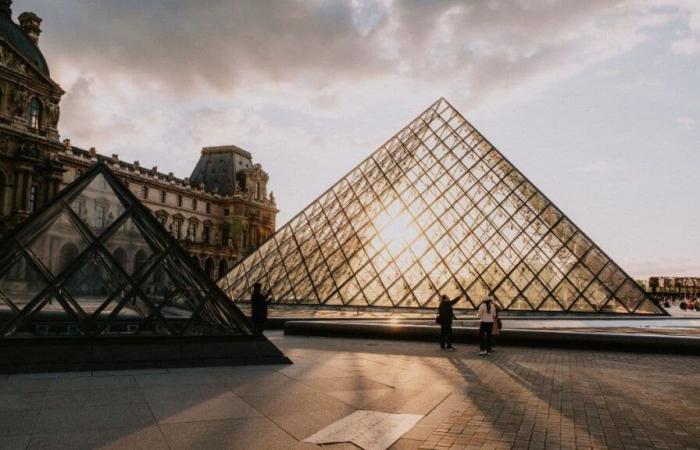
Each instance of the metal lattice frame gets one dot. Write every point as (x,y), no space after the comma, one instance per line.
(437,209)
(95,262)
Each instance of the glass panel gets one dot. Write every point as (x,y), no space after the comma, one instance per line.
(564,230)
(629,294)
(93,283)
(597,295)
(47,318)
(565,294)
(520,304)
(58,244)
(611,276)
(614,306)
(549,305)
(647,307)
(506,293)
(581,305)
(20,282)
(535,292)
(521,276)
(550,276)
(97,205)
(478,291)
(128,247)
(580,277)
(579,245)
(595,260)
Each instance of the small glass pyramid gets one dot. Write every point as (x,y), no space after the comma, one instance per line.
(437,210)
(96,264)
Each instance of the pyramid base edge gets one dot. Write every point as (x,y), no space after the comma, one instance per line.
(86,354)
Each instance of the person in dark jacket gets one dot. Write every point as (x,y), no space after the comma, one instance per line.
(445,317)
(259,302)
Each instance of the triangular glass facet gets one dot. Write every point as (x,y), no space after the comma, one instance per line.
(437,210)
(129,247)
(97,205)
(95,262)
(20,282)
(57,244)
(93,283)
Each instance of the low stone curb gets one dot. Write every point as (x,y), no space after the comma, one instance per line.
(642,342)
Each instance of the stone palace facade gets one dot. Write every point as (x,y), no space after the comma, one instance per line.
(222,212)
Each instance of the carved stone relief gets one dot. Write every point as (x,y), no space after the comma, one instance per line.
(53,113)
(19,100)
(9,60)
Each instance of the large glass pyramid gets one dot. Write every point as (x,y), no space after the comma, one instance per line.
(437,210)
(95,264)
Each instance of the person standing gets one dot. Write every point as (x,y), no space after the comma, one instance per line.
(445,317)
(259,302)
(487,316)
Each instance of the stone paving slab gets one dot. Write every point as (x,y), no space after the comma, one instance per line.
(519,397)
(370,430)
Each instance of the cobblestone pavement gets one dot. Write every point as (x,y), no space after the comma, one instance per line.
(515,398)
(541,399)
(531,398)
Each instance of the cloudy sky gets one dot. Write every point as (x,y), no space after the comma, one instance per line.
(596,101)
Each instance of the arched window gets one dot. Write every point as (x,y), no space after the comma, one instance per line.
(140,259)
(34,113)
(223,268)
(191,230)
(209,267)
(206,232)
(121,257)
(68,253)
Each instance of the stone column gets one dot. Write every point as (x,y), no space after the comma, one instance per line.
(27,187)
(57,180)
(53,185)
(48,190)
(18,191)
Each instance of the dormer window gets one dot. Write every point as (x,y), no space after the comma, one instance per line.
(34,113)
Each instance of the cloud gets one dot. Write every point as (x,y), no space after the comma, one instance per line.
(687,122)
(687,46)
(311,87)
(186,47)
(600,167)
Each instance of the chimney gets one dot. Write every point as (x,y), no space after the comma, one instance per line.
(29,23)
(5,9)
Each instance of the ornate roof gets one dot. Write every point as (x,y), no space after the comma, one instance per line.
(218,166)
(18,39)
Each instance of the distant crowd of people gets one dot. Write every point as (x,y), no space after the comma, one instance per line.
(684,304)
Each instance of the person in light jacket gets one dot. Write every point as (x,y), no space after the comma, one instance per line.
(487,316)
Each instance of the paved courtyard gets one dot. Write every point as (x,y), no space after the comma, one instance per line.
(516,398)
